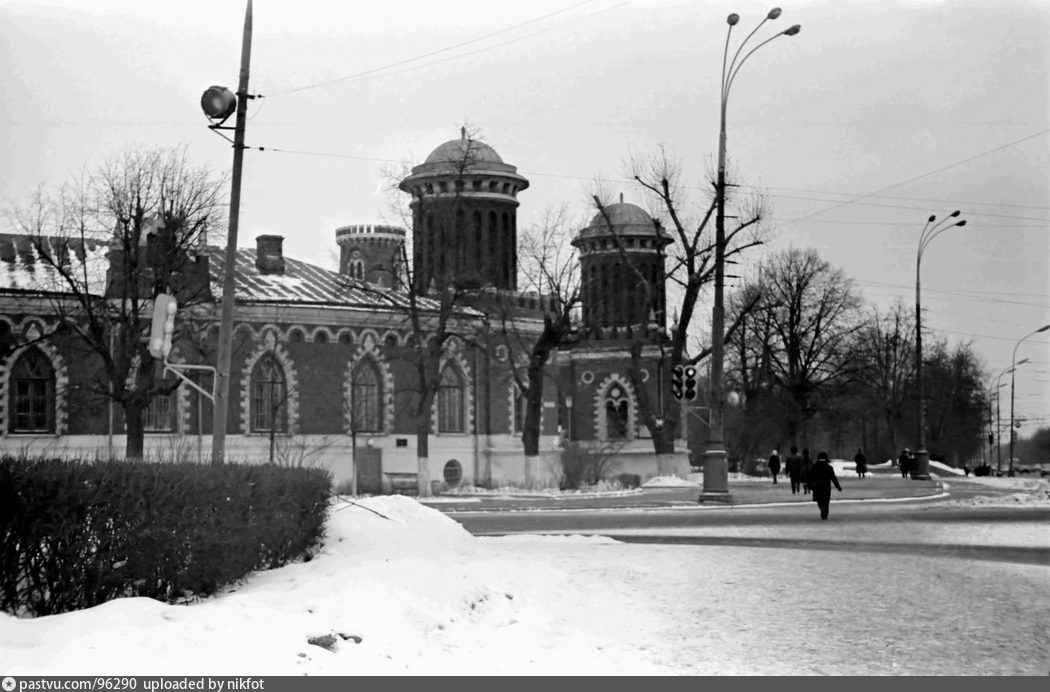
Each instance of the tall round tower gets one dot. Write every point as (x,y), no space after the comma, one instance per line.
(622,268)
(464,217)
(371,252)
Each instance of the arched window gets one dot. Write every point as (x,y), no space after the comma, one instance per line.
(269,396)
(367,409)
(451,401)
(33,394)
(616,413)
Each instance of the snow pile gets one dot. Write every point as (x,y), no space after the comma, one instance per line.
(397,588)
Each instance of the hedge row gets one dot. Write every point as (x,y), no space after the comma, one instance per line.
(76,534)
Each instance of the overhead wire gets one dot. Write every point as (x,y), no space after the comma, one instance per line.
(382,69)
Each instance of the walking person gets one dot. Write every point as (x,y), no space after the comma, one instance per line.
(904,461)
(774,465)
(793,468)
(821,478)
(807,464)
(862,463)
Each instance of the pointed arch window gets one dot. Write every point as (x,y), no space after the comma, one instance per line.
(451,401)
(269,400)
(367,398)
(33,393)
(616,413)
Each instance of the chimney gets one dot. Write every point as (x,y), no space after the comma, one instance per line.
(269,257)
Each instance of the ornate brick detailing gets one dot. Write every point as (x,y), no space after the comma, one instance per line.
(269,344)
(369,348)
(606,394)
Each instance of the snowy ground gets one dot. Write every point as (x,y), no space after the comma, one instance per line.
(399,588)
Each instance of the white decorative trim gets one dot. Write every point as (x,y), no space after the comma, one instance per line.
(311,334)
(601,393)
(369,348)
(58,366)
(586,377)
(269,345)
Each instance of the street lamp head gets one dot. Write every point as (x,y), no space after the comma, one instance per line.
(961,223)
(1020,362)
(931,219)
(773,13)
(1042,329)
(955,213)
(732,19)
(793,30)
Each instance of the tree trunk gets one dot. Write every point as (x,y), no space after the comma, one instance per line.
(423,449)
(133,429)
(530,434)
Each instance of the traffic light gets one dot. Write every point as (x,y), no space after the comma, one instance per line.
(164,309)
(677,382)
(689,392)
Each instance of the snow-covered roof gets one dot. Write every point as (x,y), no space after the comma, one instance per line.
(23,268)
(300,283)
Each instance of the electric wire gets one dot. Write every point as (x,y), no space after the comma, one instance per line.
(376,70)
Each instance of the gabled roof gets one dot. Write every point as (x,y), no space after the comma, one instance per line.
(22,270)
(301,283)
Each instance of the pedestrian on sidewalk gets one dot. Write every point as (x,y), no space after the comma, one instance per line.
(774,465)
(793,468)
(862,463)
(821,478)
(807,464)
(904,461)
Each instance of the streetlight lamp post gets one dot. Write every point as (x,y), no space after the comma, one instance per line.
(921,468)
(1013,372)
(716,469)
(998,424)
(218,104)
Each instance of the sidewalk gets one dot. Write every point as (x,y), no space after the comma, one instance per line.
(741,493)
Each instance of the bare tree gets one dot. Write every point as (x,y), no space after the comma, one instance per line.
(691,268)
(109,242)
(808,345)
(435,307)
(550,269)
(886,357)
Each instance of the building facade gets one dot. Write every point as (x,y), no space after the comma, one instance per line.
(322,370)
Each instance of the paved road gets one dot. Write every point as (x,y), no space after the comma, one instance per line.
(871,521)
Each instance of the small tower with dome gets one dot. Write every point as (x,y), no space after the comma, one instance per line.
(371,252)
(464,217)
(622,271)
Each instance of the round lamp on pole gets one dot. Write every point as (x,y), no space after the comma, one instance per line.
(218,103)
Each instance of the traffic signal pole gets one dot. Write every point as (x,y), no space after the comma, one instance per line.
(229,269)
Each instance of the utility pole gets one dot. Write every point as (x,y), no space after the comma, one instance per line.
(229,269)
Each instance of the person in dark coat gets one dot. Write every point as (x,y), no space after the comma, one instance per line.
(807,464)
(904,461)
(793,468)
(821,478)
(774,465)
(862,463)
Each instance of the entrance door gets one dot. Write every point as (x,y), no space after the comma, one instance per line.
(369,470)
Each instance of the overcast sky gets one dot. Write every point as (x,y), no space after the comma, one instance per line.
(875,116)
